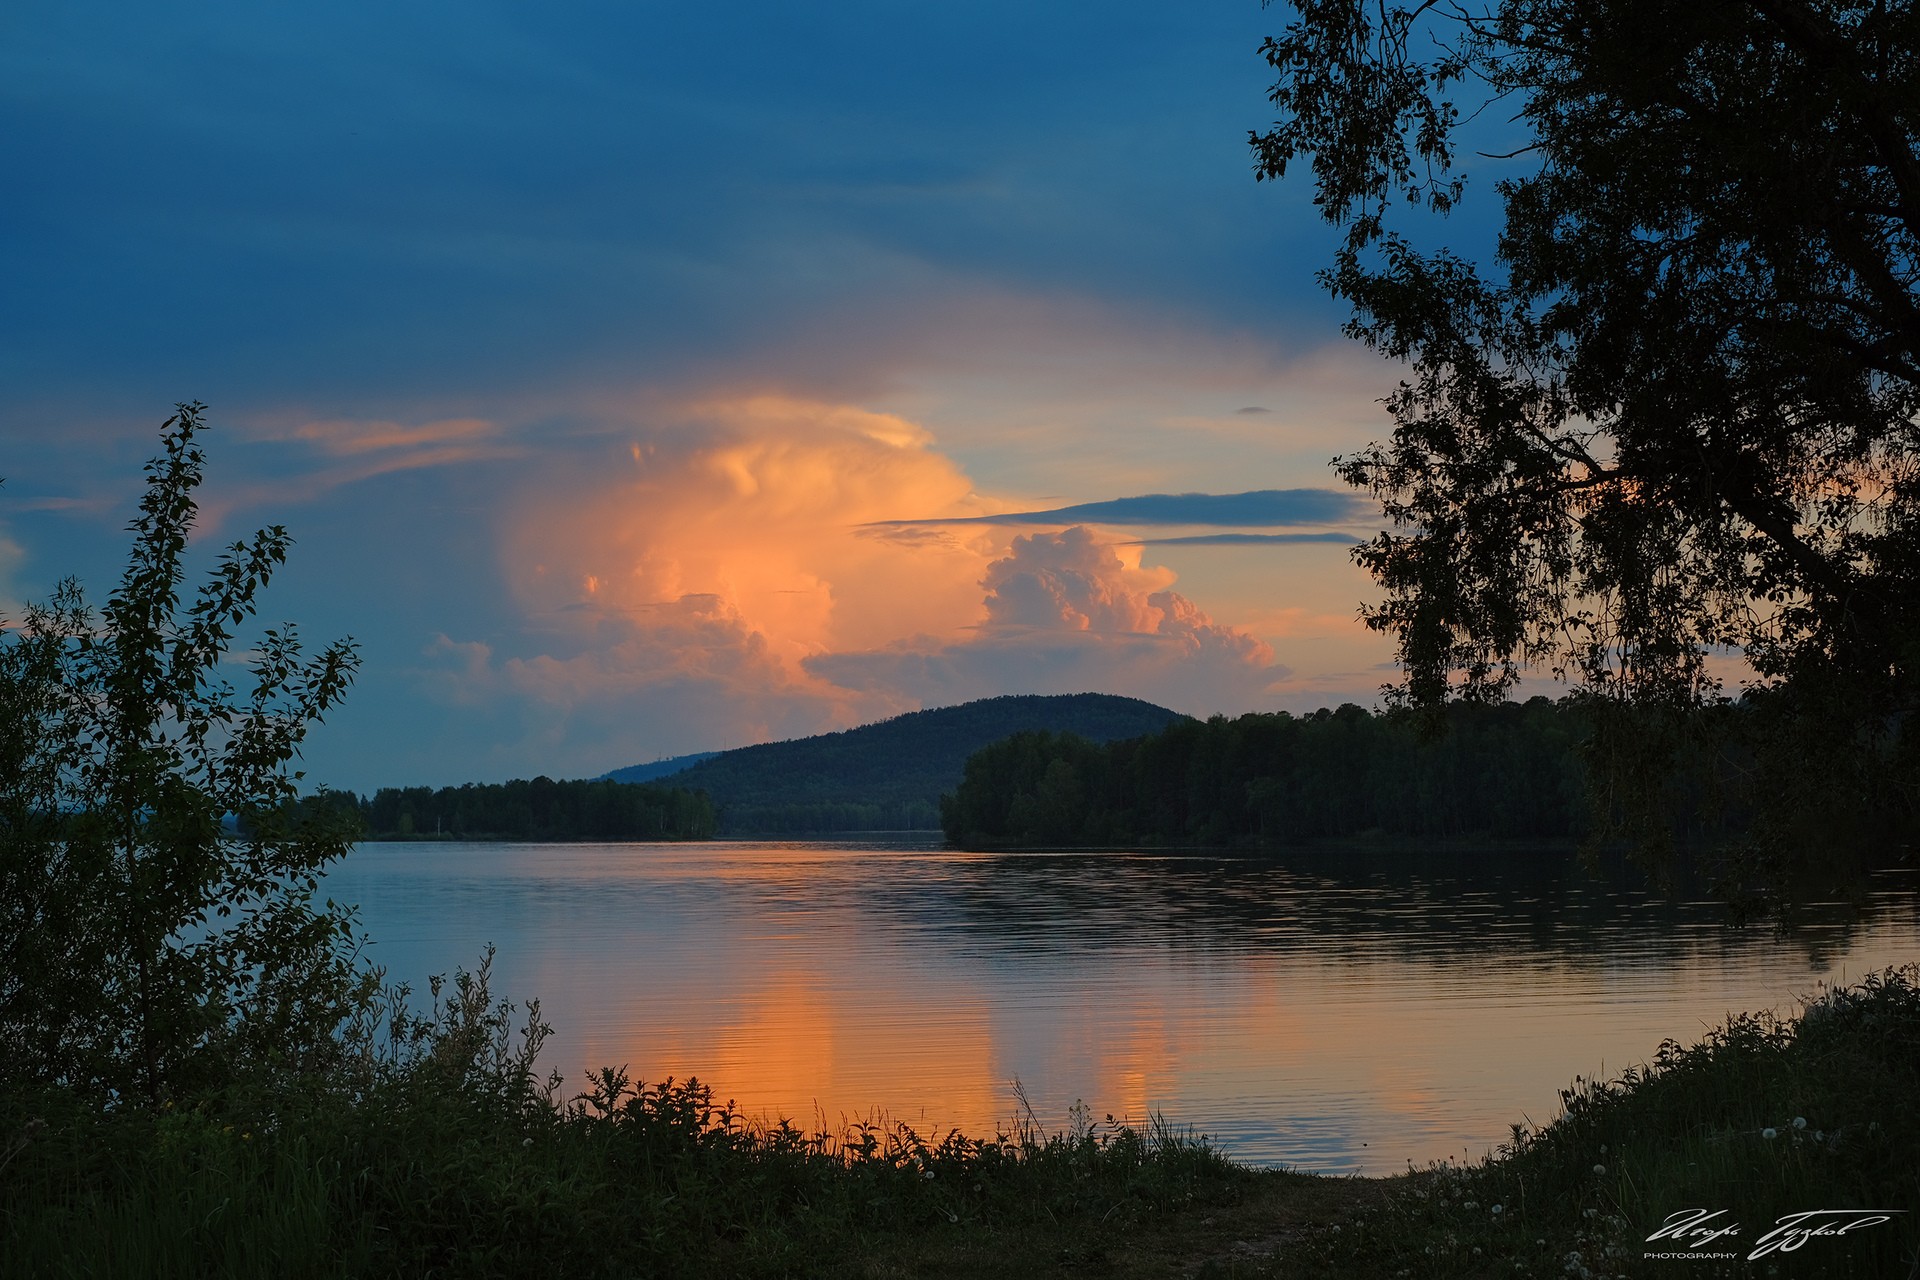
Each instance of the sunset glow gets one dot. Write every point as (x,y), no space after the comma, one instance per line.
(682,469)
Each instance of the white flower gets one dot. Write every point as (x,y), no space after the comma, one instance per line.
(526,1142)
(1769,1134)
(1799,1122)
(1599,1171)
(1497,1210)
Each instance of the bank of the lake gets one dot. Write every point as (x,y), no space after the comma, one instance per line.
(450,1159)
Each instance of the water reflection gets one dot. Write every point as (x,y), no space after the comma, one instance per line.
(1308,1014)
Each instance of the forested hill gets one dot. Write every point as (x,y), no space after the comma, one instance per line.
(659,768)
(1507,772)
(890,775)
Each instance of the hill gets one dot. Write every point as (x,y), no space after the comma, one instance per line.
(658,769)
(890,775)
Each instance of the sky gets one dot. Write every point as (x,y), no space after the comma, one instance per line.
(644,379)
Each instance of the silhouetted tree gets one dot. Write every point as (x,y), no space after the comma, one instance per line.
(144,949)
(1674,411)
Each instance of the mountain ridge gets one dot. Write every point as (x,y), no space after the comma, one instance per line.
(888,774)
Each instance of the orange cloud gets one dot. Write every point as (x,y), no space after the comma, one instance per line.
(760,508)
(1066,613)
(723,573)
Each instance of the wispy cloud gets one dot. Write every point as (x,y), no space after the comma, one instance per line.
(1255,509)
(1244,540)
(344,436)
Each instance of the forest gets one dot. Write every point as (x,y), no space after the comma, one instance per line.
(889,776)
(540,809)
(1499,772)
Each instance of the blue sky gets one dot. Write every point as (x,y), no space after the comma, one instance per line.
(639,379)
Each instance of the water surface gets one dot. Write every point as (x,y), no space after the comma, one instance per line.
(1325,1019)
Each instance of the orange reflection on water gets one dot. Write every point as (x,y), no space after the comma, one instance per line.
(799,1046)
(841,985)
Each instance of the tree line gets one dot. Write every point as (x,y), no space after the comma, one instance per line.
(1668,411)
(536,809)
(1499,772)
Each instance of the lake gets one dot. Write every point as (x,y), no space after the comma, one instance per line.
(1304,1015)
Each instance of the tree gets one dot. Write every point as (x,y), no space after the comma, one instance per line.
(145,948)
(1673,413)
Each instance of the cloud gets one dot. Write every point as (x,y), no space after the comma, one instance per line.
(1068,613)
(757,500)
(1261,507)
(673,591)
(12,557)
(638,687)
(1246,540)
(741,572)
(342,436)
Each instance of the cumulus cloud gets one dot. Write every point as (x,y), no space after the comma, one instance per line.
(678,589)
(1067,613)
(757,501)
(737,574)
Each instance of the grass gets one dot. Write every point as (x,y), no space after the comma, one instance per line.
(441,1155)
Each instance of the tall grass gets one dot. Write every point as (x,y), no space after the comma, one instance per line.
(442,1154)
(1765,1117)
(435,1150)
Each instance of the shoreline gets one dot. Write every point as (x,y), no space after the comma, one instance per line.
(418,1163)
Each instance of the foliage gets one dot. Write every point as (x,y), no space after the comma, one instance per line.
(541,809)
(1677,413)
(1764,1117)
(143,950)
(433,1149)
(1506,773)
